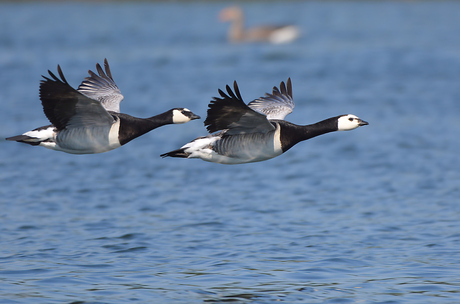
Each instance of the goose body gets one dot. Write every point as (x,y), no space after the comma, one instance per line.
(87,120)
(263,33)
(257,131)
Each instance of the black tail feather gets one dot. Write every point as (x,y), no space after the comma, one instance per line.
(176,153)
(24,139)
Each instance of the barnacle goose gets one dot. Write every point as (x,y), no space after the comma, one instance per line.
(257,131)
(88,120)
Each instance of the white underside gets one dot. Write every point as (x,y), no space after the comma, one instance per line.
(43,134)
(238,149)
(79,140)
(284,35)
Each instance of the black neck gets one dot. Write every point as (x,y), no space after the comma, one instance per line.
(133,127)
(292,134)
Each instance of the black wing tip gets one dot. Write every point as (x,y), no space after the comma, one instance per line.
(289,87)
(61,74)
(235,86)
(100,71)
(285,88)
(237,90)
(54,77)
(228,96)
(92,74)
(221,93)
(229,90)
(107,69)
(231,94)
(102,77)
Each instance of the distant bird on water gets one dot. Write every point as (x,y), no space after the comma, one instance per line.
(88,120)
(264,33)
(257,131)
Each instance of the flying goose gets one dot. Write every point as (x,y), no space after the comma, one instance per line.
(263,33)
(88,120)
(257,131)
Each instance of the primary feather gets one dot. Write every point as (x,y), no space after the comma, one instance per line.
(276,105)
(103,88)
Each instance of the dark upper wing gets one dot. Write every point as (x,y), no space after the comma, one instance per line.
(64,106)
(102,88)
(276,105)
(230,112)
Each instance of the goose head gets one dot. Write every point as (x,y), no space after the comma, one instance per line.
(349,122)
(183,115)
(230,14)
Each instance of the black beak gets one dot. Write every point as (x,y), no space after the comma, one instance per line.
(194,116)
(363,123)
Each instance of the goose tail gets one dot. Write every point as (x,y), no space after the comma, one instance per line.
(25,139)
(36,137)
(176,153)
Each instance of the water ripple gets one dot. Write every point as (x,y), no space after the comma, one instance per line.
(365,216)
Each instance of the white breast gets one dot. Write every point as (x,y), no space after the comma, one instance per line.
(277,148)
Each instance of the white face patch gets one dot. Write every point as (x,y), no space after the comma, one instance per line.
(179,117)
(349,122)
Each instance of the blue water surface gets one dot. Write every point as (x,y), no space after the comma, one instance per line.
(367,216)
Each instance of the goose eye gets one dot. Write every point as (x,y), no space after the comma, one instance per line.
(351,119)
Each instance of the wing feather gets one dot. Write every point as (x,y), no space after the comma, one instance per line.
(230,112)
(66,107)
(276,105)
(103,88)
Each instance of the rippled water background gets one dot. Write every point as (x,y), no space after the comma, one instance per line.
(368,216)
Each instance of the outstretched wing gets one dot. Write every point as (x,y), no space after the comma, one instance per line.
(66,107)
(102,88)
(230,112)
(277,104)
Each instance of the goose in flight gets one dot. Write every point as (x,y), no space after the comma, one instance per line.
(88,120)
(255,132)
(262,33)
